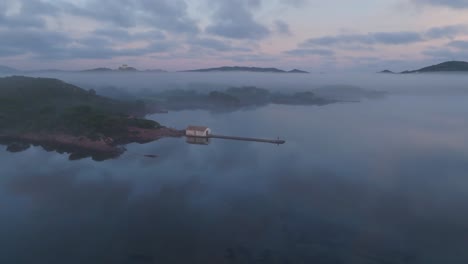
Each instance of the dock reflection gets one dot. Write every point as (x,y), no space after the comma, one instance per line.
(198,140)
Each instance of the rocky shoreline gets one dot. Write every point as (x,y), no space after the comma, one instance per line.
(81,146)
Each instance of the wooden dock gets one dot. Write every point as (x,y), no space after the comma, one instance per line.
(271,141)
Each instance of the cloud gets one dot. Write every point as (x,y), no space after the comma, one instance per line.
(54,45)
(29,14)
(446,54)
(122,35)
(242,58)
(15,42)
(214,44)
(295,3)
(167,15)
(459,44)
(446,31)
(446,3)
(387,38)
(454,50)
(234,19)
(353,41)
(306,52)
(282,27)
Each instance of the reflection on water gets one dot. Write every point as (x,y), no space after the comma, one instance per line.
(198,140)
(371,182)
(74,153)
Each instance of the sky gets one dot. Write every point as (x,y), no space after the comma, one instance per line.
(315,35)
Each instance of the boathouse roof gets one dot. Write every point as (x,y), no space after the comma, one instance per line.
(197,128)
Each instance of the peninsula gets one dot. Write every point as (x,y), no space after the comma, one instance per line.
(64,117)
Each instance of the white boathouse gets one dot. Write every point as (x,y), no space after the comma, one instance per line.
(197,131)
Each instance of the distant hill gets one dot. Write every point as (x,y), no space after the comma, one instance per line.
(245,69)
(449,66)
(124,68)
(30,96)
(98,70)
(297,71)
(387,71)
(5,69)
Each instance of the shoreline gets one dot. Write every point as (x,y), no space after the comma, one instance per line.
(105,146)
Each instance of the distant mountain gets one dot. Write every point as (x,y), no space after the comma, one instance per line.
(123,68)
(245,69)
(449,66)
(297,71)
(386,71)
(5,69)
(98,70)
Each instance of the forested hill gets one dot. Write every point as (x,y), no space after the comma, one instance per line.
(42,104)
(449,66)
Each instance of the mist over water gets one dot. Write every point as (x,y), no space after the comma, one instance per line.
(376,181)
(419,84)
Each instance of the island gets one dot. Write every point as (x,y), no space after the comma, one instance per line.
(387,72)
(65,118)
(231,99)
(101,69)
(245,69)
(448,66)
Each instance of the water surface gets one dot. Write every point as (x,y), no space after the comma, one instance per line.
(380,181)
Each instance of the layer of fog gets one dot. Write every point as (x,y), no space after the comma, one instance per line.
(411,84)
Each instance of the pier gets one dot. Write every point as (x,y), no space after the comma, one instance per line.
(272,141)
(202,135)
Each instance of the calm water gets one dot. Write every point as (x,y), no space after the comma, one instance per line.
(381,181)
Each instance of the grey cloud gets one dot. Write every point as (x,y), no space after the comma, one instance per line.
(124,35)
(215,44)
(447,3)
(295,3)
(251,57)
(162,14)
(13,42)
(389,38)
(29,14)
(459,44)
(149,35)
(234,19)
(454,50)
(396,38)
(113,33)
(92,51)
(282,27)
(446,54)
(446,31)
(306,52)
(350,41)
(53,45)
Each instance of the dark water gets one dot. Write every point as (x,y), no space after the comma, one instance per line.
(382,181)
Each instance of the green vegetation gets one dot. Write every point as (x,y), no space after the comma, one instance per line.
(50,105)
